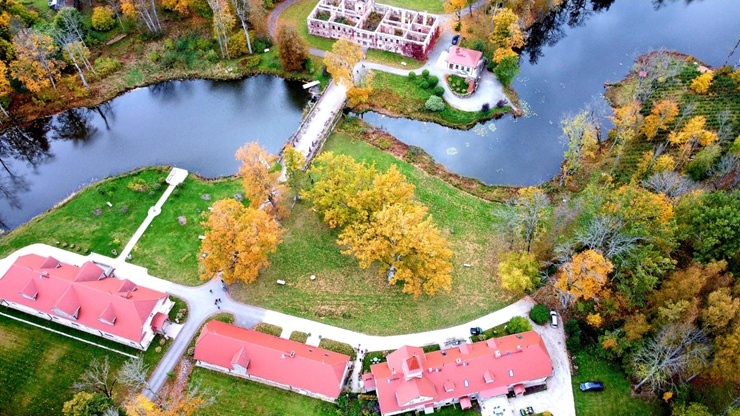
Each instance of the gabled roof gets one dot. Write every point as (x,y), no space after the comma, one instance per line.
(272,358)
(83,294)
(490,368)
(463,56)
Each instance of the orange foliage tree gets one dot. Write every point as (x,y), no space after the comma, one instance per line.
(662,114)
(259,178)
(584,277)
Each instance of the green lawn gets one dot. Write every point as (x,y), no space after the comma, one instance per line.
(347,296)
(241,397)
(170,250)
(616,399)
(38,367)
(402,96)
(296,16)
(76,222)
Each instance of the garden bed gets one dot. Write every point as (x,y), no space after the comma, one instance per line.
(459,86)
(338,347)
(271,329)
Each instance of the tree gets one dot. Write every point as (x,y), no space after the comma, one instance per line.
(360,95)
(35,64)
(76,53)
(581,132)
(97,378)
(242,10)
(70,20)
(701,84)
(691,135)
(292,49)
(678,350)
(662,114)
(721,308)
(539,314)
(507,33)
(259,179)
(726,363)
(186,404)
(519,271)
(691,409)
(584,277)
(294,162)
(341,61)
(669,183)
(435,103)
(530,215)
(133,374)
(86,404)
(406,243)
(626,121)
(4,85)
(455,6)
(517,325)
(102,18)
(709,224)
(145,11)
(507,69)
(223,21)
(238,240)
(182,7)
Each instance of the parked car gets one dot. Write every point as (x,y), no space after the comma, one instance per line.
(553,318)
(455,40)
(592,386)
(529,410)
(476,330)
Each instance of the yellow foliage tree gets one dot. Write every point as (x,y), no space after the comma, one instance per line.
(701,84)
(721,308)
(145,11)
(238,240)
(294,162)
(636,326)
(186,405)
(662,114)
(502,53)
(358,95)
(259,179)
(341,61)
(595,320)
(585,276)
(726,364)
(4,85)
(506,34)
(406,243)
(692,134)
(35,64)
(182,7)
(455,6)
(518,271)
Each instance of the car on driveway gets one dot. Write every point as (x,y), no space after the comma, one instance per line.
(553,318)
(592,386)
(455,40)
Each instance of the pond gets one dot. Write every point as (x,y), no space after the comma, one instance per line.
(196,125)
(567,61)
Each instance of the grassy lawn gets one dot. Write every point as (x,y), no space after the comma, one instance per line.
(347,296)
(402,96)
(616,399)
(170,250)
(76,222)
(296,16)
(241,397)
(37,367)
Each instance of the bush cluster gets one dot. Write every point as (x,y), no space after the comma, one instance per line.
(518,324)
(539,314)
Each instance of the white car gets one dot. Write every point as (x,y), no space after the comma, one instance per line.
(553,318)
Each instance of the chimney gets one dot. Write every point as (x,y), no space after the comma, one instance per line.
(292,354)
(44,274)
(498,354)
(518,347)
(458,361)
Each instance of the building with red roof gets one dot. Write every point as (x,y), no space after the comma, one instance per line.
(87,297)
(411,380)
(466,62)
(272,360)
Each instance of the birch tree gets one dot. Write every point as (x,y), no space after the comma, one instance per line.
(98,378)
(242,10)
(145,11)
(35,64)
(223,21)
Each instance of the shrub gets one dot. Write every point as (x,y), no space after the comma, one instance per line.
(251,61)
(485,107)
(433,81)
(412,75)
(102,18)
(299,336)
(138,185)
(237,45)
(458,27)
(698,168)
(539,314)
(439,91)
(338,347)
(107,66)
(268,329)
(517,325)
(435,103)
(425,73)
(507,70)
(424,84)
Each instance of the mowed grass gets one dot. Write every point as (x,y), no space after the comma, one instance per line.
(347,296)
(402,96)
(296,16)
(242,397)
(616,399)
(37,367)
(75,222)
(170,250)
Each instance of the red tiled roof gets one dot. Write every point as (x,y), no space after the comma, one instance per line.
(272,358)
(64,289)
(490,368)
(464,57)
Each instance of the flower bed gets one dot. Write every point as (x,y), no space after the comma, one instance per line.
(459,85)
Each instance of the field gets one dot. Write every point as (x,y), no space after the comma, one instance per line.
(347,296)
(616,399)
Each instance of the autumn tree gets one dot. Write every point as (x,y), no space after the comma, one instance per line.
(242,10)
(456,7)
(223,21)
(662,114)
(709,224)
(341,61)
(692,134)
(35,65)
(506,35)
(186,404)
(726,362)
(86,404)
(626,120)
(678,350)
(584,277)
(720,310)
(102,18)
(292,49)
(527,215)
(133,374)
(259,178)
(670,183)
(294,162)
(519,271)
(143,10)
(581,132)
(701,84)
(97,378)
(403,239)
(69,20)
(76,53)
(4,85)
(237,241)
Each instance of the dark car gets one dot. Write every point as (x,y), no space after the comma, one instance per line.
(476,330)
(456,39)
(592,386)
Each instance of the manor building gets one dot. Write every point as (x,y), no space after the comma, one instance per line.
(376,26)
